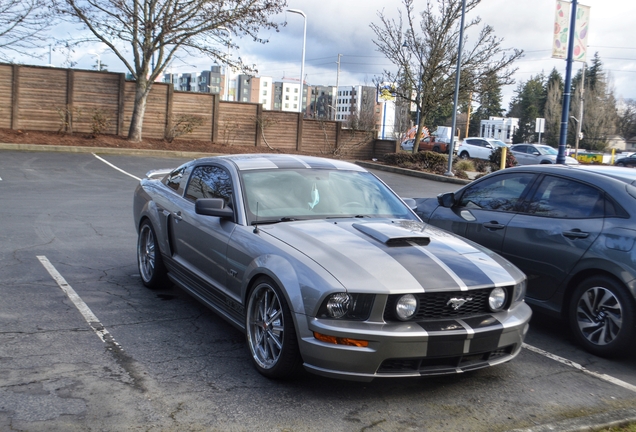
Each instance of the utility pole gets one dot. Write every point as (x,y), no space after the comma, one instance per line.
(580,119)
(334,104)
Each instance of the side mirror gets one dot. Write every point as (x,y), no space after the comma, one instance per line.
(410,202)
(213,207)
(446,199)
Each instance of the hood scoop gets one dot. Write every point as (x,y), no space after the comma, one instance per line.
(392,235)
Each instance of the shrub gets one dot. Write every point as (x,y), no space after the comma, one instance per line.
(464,165)
(495,159)
(181,125)
(428,161)
(100,122)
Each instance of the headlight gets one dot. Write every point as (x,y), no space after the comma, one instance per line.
(520,291)
(497,299)
(346,306)
(338,305)
(406,307)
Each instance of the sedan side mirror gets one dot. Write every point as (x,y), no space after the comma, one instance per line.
(410,202)
(213,207)
(446,199)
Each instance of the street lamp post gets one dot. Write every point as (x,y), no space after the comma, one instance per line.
(302,64)
(226,80)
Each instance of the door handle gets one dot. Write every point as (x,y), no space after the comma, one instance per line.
(494,225)
(178,216)
(575,233)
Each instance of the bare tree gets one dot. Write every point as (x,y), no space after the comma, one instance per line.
(424,47)
(22,23)
(155,31)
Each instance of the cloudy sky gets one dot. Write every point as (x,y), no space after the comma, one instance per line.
(342,27)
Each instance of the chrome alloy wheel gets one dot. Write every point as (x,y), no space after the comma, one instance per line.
(146,251)
(599,315)
(265,326)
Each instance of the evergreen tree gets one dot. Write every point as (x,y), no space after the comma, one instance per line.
(528,105)
(553,108)
(489,98)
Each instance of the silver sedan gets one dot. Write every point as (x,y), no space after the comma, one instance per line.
(324,267)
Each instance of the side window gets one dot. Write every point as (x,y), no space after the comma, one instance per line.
(174,179)
(501,193)
(210,182)
(563,198)
(520,149)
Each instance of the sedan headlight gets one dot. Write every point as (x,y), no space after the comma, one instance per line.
(519,291)
(497,299)
(347,306)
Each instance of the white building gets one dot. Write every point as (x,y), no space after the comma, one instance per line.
(500,128)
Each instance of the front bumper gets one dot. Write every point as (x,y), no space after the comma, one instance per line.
(411,349)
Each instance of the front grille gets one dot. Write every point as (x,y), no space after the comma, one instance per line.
(437,305)
(434,365)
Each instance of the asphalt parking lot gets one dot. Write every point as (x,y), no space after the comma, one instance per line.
(84,346)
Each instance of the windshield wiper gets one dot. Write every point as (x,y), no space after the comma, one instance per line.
(274,221)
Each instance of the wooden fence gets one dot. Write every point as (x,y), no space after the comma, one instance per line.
(68,100)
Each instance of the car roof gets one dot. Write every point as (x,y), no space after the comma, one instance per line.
(626,175)
(246,162)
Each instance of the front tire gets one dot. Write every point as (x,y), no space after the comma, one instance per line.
(270,332)
(602,316)
(149,261)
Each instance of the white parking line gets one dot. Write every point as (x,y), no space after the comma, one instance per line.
(575,365)
(117,168)
(88,315)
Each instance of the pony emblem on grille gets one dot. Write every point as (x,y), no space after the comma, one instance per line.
(456,303)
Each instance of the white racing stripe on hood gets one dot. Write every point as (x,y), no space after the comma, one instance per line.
(491,268)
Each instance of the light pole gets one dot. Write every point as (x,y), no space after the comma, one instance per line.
(226,80)
(302,64)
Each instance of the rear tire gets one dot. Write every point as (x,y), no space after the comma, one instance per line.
(464,155)
(602,316)
(270,332)
(149,262)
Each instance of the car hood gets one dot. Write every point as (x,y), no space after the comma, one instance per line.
(395,256)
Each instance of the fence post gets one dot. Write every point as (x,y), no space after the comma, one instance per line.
(70,95)
(121,104)
(259,125)
(299,133)
(169,101)
(338,136)
(216,105)
(15,97)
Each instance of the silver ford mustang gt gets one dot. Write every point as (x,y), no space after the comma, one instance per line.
(324,267)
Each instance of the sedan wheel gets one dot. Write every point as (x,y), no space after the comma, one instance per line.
(271,335)
(149,262)
(602,316)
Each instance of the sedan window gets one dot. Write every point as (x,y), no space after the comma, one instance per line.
(210,182)
(563,198)
(500,193)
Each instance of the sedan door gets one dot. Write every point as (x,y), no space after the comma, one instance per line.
(483,210)
(552,232)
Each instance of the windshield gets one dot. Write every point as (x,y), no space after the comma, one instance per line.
(546,150)
(291,194)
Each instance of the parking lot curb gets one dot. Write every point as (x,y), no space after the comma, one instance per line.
(412,173)
(103,150)
(590,423)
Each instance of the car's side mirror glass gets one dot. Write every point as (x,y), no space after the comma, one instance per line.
(446,199)
(213,207)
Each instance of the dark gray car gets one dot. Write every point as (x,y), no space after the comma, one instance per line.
(323,266)
(571,229)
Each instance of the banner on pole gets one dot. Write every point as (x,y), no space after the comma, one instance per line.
(562,30)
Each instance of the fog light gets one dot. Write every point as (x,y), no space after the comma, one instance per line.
(338,305)
(405,307)
(497,299)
